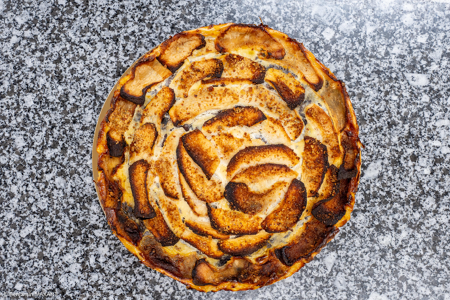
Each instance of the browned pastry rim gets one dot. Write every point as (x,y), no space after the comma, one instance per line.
(180,179)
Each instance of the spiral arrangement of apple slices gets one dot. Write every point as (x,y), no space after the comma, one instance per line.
(229,157)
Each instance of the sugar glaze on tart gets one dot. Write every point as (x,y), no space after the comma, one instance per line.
(228,158)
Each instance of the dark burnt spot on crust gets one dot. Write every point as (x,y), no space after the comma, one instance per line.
(330,211)
(176,49)
(123,226)
(116,148)
(239,36)
(330,184)
(312,239)
(289,211)
(138,181)
(109,191)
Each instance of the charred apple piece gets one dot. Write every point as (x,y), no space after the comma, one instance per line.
(237,116)
(138,179)
(144,140)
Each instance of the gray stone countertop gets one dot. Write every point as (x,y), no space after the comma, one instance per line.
(58,62)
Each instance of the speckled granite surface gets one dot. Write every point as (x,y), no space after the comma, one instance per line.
(58,61)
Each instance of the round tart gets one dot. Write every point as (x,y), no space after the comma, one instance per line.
(228,158)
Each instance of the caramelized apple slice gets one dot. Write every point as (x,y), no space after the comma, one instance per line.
(244,245)
(179,47)
(202,100)
(109,164)
(348,167)
(166,166)
(206,190)
(236,66)
(145,73)
(242,199)
(239,36)
(202,152)
(260,155)
(259,177)
(198,206)
(205,229)
(312,239)
(315,164)
(233,222)
(330,184)
(296,60)
(158,107)
(206,274)
(330,211)
(138,178)
(322,121)
(158,227)
(287,214)
(123,226)
(198,70)
(228,145)
(287,86)
(237,116)
(119,120)
(144,140)
(206,245)
(109,192)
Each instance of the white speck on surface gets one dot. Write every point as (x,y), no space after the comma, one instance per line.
(417,79)
(328,33)
(329,261)
(373,170)
(340,281)
(28,100)
(376,296)
(422,38)
(408,19)
(18,286)
(442,122)
(425,98)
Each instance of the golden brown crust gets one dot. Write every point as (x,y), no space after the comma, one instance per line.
(179,47)
(193,207)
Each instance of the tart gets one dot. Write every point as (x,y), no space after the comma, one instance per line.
(228,157)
